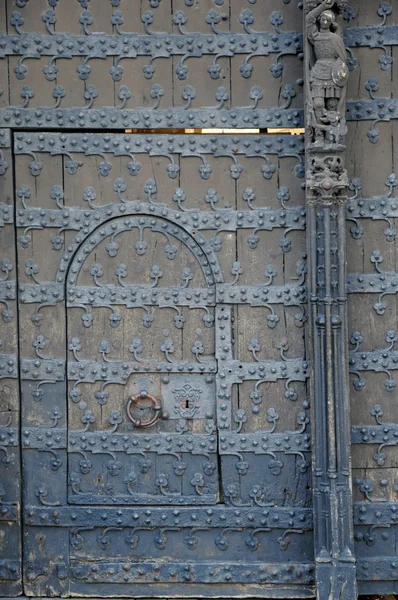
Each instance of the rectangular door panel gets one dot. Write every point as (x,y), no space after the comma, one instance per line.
(152,65)
(163,372)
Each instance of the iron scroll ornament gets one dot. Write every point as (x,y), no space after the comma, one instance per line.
(155,405)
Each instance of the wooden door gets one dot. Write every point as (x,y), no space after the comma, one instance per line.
(166,432)
(154,399)
(372,274)
(165,421)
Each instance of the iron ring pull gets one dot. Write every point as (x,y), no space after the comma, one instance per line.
(135,400)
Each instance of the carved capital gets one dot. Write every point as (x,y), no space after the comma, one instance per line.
(327,179)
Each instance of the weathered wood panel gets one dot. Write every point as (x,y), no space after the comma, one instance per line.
(372,267)
(10,473)
(125,65)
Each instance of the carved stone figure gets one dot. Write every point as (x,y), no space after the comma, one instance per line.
(333,126)
(328,75)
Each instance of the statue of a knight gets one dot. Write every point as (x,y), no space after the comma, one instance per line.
(328,74)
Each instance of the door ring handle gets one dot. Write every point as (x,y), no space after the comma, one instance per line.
(156,407)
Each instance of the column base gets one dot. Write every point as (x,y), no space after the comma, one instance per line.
(336,580)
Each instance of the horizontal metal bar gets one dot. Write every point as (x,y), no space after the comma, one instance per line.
(7,289)
(157,145)
(136,296)
(236,371)
(37,369)
(376,208)
(375,434)
(80,117)
(377,568)
(261,442)
(8,366)
(380,109)
(194,44)
(157,45)
(143,499)
(365,513)
(9,436)
(6,214)
(379,361)
(44,438)
(372,36)
(373,513)
(103,441)
(161,571)
(383,109)
(373,283)
(127,118)
(186,517)
(261,294)
(9,512)
(48,291)
(75,219)
(117,371)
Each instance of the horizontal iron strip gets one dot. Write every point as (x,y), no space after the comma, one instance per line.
(161,571)
(120,144)
(365,513)
(136,296)
(79,117)
(76,219)
(259,442)
(157,45)
(127,118)
(145,516)
(195,45)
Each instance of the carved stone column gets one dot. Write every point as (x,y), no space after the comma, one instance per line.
(326,184)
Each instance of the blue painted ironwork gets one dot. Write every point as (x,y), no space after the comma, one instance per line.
(128,459)
(80,499)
